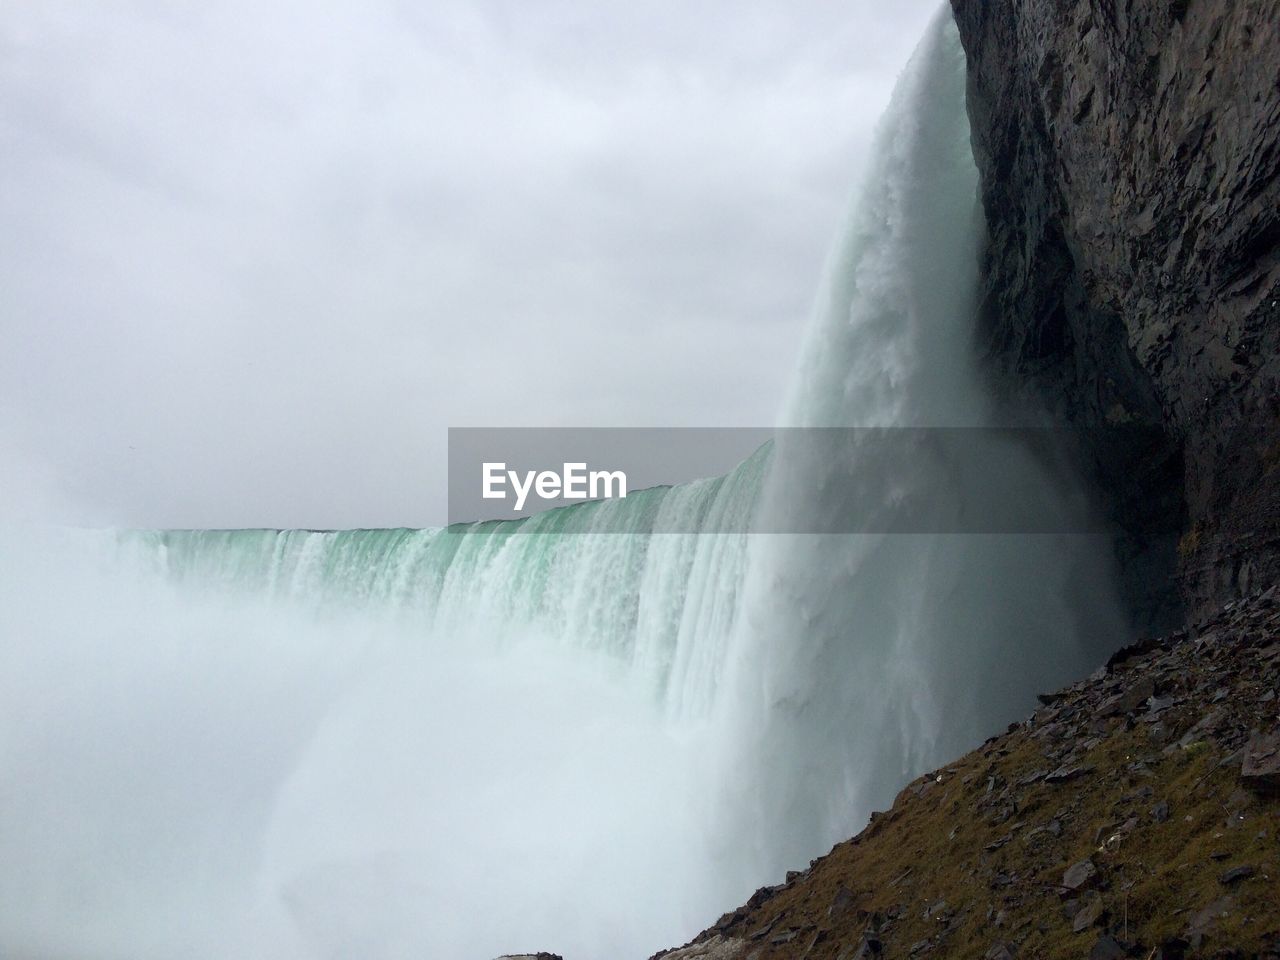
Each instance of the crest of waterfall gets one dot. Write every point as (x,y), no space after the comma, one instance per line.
(591,578)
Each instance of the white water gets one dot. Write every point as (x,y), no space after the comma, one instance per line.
(867,659)
(395,744)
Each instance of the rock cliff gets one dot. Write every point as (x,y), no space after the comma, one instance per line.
(1128,152)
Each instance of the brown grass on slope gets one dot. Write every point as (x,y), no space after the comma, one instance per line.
(1135,814)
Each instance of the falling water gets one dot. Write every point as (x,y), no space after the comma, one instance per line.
(865,659)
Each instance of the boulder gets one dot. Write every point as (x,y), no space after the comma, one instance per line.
(1108,948)
(1260,768)
(713,948)
(1080,876)
(1235,875)
(1088,915)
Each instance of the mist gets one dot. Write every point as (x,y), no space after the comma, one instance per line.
(257,260)
(206,773)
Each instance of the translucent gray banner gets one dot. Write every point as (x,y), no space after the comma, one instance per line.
(760,480)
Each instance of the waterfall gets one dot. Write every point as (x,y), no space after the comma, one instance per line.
(864,659)
(567,732)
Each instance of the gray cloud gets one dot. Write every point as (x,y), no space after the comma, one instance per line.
(258,258)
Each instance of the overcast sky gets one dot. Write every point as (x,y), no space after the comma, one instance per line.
(256,257)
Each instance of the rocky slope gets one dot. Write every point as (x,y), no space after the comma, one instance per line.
(1129,152)
(1136,814)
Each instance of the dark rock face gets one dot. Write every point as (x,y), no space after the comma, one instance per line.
(1129,152)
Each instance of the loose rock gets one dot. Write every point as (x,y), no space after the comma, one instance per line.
(1260,769)
(1080,876)
(1107,948)
(1236,874)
